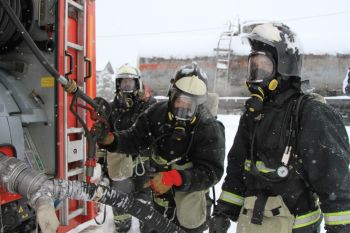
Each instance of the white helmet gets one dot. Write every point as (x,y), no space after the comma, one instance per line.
(128,79)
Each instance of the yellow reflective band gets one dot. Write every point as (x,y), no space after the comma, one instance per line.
(181,167)
(161,202)
(337,218)
(307,219)
(121,217)
(159,160)
(231,198)
(259,164)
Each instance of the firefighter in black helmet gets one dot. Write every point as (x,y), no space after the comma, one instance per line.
(289,165)
(128,171)
(188,148)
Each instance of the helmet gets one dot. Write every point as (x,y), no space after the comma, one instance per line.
(128,79)
(276,55)
(281,43)
(188,91)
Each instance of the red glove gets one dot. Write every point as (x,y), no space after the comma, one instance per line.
(162,182)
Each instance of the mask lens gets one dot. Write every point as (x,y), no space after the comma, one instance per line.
(260,66)
(184,107)
(127,85)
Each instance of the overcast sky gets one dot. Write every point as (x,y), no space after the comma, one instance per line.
(128,29)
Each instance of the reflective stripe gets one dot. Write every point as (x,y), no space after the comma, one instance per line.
(337,218)
(161,202)
(182,167)
(159,160)
(307,219)
(231,198)
(121,217)
(259,164)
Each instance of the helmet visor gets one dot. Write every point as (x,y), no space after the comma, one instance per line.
(260,66)
(184,107)
(127,85)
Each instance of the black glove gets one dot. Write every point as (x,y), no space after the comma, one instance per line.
(219,223)
(99,131)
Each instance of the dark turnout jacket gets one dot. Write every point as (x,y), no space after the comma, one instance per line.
(122,118)
(320,167)
(203,145)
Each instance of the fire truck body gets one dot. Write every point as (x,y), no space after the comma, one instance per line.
(34,109)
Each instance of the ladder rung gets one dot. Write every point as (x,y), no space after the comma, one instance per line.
(76,5)
(75,130)
(229,33)
(75,171)
(222,61)
(75,213)
(75,46)
(223,50)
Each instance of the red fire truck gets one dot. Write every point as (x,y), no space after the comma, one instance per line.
(36,124)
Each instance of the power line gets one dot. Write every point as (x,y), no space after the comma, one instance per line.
(214,28)
(162,33)
(317,16)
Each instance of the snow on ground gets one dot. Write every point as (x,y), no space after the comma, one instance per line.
(231,125)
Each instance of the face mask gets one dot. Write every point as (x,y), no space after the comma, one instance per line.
(127,85)
(260,82)
(261,66)
(183,107)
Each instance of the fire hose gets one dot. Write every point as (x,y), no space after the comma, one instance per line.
(16,176)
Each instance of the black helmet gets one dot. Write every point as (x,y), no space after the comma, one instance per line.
(128,79)
(282,43)
(188,86)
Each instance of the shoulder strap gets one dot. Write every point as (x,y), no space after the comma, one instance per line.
(302,99)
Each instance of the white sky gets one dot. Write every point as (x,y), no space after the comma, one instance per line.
(132,28)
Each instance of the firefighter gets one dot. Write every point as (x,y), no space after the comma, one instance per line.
(128,172)
(289,163)
(346,83)
(187,145)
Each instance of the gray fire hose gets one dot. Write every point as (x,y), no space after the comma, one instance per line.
(17,177)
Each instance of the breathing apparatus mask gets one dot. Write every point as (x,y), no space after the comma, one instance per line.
(188,90)
(183,110)
(128,86)
(261,80)
(126,92)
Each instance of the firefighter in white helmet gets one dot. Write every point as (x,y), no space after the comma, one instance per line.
(128,171)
